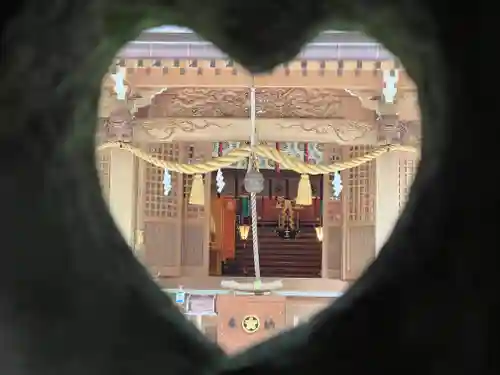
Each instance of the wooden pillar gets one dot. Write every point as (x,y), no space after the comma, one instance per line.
(122,192)
(387,197)
(332,221)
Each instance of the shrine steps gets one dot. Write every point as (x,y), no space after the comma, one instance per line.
(297,258)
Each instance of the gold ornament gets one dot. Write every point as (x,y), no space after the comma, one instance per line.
(250,324)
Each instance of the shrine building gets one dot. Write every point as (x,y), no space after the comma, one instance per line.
(173,97)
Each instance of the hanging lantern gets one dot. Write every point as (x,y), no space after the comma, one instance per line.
(244,231)
(319,233)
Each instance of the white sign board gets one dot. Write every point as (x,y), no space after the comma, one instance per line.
(200,305)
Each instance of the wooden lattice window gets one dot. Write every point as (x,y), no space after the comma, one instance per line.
(103,170)
(361,185)
(156,204)
(407,170)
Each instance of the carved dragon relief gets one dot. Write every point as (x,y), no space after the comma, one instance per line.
(297,102)
(168,128)
(345,130)
(201,102)
(349,117)
(270,103)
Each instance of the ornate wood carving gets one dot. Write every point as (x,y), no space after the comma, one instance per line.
(117,115)
(340,131)
(165,130)
(270,103)
(389,129)
(392,130)
(200,102)
(406,104)
(142,98)
(298,102)
(412,132)
(345,130)
(120,124)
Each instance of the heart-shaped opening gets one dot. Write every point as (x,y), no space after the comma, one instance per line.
(334,133)
(84,304)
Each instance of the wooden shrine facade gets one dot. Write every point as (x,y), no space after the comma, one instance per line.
(177,109)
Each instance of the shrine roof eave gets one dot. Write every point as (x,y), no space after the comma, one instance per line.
(187,36)
(327,46)
(205,50)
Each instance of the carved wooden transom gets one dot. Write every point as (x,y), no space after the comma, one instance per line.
(270,103)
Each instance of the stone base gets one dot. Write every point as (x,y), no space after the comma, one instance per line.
(257,287)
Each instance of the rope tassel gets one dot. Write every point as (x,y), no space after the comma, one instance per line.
(304,193)
(197,195)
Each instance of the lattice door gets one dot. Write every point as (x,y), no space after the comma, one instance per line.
(332,217)
(161,215)
(408,163)
(359,208)
(103,170)
(196,219)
